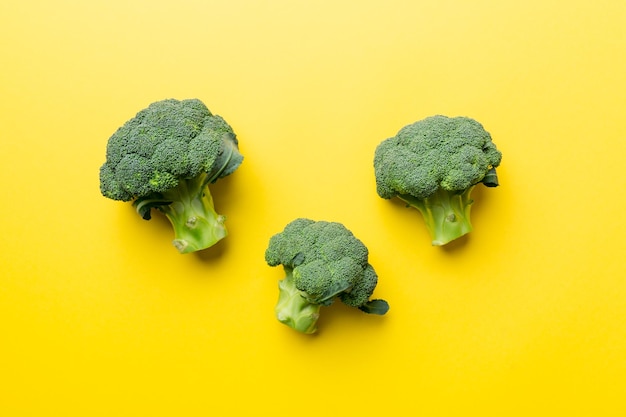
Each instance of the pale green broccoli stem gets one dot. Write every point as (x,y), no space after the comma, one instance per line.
(192,214)
(294,310)
(446,213)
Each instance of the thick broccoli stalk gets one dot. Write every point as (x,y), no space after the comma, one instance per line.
(446,213)
(433,165)
(189,208)
(323,261)
(164,159)
(293,309)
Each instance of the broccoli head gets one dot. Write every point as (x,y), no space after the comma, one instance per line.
(433,166)
(165,158)
(322,261)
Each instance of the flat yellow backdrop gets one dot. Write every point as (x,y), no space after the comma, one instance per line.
(100,316)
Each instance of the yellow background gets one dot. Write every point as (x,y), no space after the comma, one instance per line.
(99,315)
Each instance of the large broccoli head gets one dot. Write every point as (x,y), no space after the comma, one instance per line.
(323,261)
(164,158)
(167,142)
(432,161)
(438,152)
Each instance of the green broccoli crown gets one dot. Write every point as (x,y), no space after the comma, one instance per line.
(436,153)
(326,261)
(168,141)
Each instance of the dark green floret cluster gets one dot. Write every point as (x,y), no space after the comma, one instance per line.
(165,158)
(433,165)
(323,261)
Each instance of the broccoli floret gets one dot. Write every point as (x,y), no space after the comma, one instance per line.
(433,165)
(165,158)
(322,261)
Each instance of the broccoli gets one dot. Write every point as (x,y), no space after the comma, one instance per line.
(433,165)
(322,261)
(165,158)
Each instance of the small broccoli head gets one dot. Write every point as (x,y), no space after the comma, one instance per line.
(323,261)
(169,141)
(438,152)
(164,158)
(433,165)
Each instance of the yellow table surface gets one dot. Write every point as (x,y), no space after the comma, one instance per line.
(100,316)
